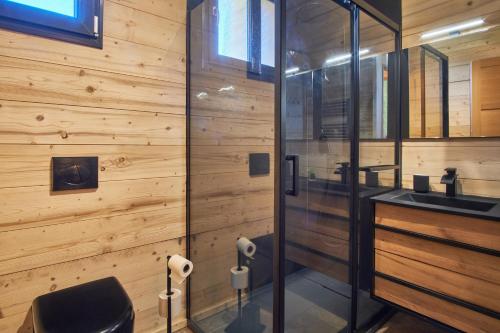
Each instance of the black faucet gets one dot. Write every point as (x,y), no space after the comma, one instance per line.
(450,179)
(343,171)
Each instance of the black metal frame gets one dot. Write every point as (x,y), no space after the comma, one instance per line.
(439,295)
(256,69)
(280,151)
(445,87)
(279,268)
(34,21)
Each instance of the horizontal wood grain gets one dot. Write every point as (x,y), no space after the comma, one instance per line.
(30,165)
(335,247)
(140,270)
(226,159)
(322,202)
(473,159)
(30,248)
(125,104)
(36,123)
(174,10)
(419,16)
(217,215)
(111,198)
(140,27)
(458,260)
(468,230)
(214,253)
(117,56)
(464,287)
(229,101)
(324,224)
(214,131)
(33,81)
(438,309)
(334,269)
(219,187)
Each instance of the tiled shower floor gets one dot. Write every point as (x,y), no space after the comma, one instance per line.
(315,303)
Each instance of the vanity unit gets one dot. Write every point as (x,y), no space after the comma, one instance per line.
(439,257)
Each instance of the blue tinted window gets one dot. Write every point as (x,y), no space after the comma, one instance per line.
(63,7)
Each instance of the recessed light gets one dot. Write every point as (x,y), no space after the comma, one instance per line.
(345,56)
(452,28)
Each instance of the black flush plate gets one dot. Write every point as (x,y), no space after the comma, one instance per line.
(74,173)
(259,164)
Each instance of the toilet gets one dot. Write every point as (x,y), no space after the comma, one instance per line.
(99,306)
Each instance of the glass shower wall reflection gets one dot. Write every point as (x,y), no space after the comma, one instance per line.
(318,102)
(231,156)
(378,110)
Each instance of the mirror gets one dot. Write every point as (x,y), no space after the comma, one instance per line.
(451,82)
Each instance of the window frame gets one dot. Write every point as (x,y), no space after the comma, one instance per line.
(44,23)
(255,69)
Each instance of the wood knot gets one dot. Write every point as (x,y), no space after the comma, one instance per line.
(40,117)
(53,287)
(90,89)
(103,168)
(64,134)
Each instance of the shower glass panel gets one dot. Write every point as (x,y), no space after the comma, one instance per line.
(317,290)
(377,111)
(231,176)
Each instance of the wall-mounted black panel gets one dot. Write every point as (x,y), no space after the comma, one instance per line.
(259,164)
(74,173)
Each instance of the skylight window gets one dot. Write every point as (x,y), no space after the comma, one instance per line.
(63,7)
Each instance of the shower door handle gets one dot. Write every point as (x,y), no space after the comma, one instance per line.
(294,174)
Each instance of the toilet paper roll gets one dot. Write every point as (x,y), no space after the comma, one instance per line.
(239,279)
(163,303)
(180,268)
(246,247)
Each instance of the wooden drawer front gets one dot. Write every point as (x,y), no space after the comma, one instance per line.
(463,274)
(448,313)
(468,230)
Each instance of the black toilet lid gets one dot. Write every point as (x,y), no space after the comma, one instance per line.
(98,306)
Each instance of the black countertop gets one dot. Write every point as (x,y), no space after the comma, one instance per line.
(330,187)
(392,199)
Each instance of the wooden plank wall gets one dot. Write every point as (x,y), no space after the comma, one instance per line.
(124,104)
(477,161)
(459,91)
(231,117)
(421,16)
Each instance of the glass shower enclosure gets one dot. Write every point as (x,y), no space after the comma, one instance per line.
(292,127)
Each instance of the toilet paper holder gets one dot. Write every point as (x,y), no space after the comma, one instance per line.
(170,293)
